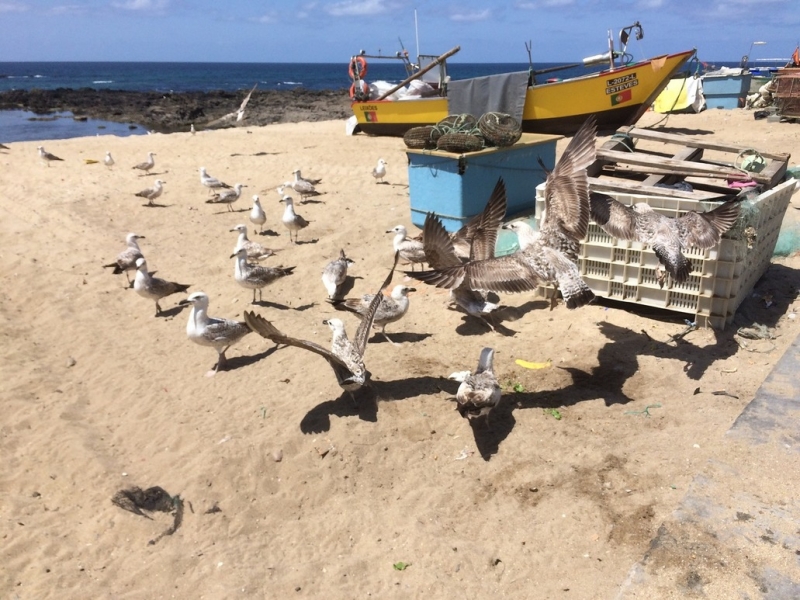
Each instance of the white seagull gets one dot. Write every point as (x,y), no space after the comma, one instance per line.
(227,197)
(411,250)
(148,164)
(211,183)
(126,260)
(154,288)
(291,219)
(220,334)
(334,275)
(255,251)
(152,193)
(257,214)
(379,172)
(256,277)
(46,156)
(108,161)
(391,308)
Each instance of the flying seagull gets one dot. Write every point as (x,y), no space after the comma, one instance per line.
(345,357)
(238,115)
(126,260)
(667,236)
(552,256)
(221,334)
(479,392)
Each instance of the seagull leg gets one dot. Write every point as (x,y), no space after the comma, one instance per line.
(383,332)
(254,296)
(158,309)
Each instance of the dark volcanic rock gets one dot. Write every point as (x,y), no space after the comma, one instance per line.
(176,111)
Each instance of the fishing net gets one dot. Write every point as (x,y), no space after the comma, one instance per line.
(500,129)
(420,138)
(788,242)
(459,142)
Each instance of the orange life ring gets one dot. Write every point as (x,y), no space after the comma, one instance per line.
(357,68)
(364,89)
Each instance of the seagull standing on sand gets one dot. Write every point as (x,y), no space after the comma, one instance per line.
(479,392)
(255,251)
(256,277)
(379,172)
(302,187)
(126,260)
(46,156)
(220,334)
(291,219)
(211,183)
(667,236)
(346,358)
(257,214)
(299,177)
(192,129)
(391,308)
(108,161)
(334,275)
(148,164)
(551,257)
(152,193)
(227,197)
(154,288)
(411,250)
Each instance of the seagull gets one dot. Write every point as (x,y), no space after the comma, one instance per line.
(392,308)
(302,187)
(299,177)
(221,334)
(257,214)
(4,147)
(148,164)
(108,161)
(46,156)
(667,236)
(152,193)
(477,240)
(379,172)
(154,288)
(552,256)
(346,358)
(227,196)
(126,260)
(212,183)
(291,219)
(255,251)
(255,277)
(410,249)
(479,392)
(192,130)
(238,114)
(334,275)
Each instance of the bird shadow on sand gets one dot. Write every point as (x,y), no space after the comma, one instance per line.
(238,362)
(398,338)
(304,242)
(471,325)
(153,174)
(171,312)
(156,205)
(229,212)
(317,420)
(311,201)
(269,232)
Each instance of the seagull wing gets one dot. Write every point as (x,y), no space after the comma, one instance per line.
(362,333)
(512,273)
(615,218)
(705,229)
(437,245)
(484,239)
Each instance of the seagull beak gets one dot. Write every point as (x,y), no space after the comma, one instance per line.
(325,322)
(184,302)
(411,289)
(506,226)
(234,255)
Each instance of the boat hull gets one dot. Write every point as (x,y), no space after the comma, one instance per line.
(617,98)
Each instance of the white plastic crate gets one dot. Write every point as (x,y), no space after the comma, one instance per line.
(721,277)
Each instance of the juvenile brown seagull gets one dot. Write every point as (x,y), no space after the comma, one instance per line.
(668,236)
(148,164)
(345,357)
(479,392)
(334,275)
(256,277)
(154,288)
(152,193)
(46,156)
(551,257)
(126,260)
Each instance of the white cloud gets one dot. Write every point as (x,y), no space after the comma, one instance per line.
(142,5)
(471,16)
(6,7)
(357,8)
(545,4)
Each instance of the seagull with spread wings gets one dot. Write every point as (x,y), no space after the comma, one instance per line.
(667,236)
(551,257)
(345,357)
(237,114)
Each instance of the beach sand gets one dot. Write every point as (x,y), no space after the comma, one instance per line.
(99,395)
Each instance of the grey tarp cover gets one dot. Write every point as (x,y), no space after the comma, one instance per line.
(494,93)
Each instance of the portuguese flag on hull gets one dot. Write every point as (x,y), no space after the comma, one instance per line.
(620,97)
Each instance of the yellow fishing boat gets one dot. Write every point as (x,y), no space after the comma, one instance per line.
(617,95)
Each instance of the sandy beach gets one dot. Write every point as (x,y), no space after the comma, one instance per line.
(288,488)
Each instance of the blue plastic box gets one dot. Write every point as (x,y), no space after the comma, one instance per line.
(457,186)
(726,91)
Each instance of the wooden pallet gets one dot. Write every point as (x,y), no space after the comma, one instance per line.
(622,167)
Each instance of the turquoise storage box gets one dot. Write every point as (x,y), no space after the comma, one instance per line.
(726,91)
(457,186)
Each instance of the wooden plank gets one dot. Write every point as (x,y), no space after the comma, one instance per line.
(634,187)
(692,154)
(643,159)
(674,138)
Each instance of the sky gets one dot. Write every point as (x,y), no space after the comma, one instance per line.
(331,32)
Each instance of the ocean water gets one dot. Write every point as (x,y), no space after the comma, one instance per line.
(182,77)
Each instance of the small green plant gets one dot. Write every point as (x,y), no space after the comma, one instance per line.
(518,387)
(553,412)
(401,566)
